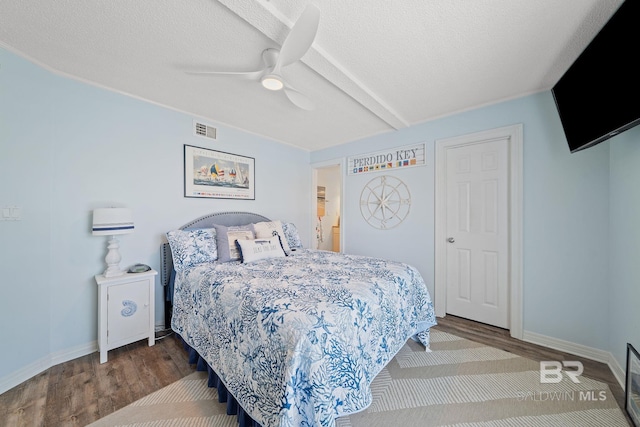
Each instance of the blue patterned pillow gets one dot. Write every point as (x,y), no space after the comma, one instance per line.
(291,234)
(192,247)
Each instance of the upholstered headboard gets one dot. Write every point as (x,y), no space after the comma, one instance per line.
(221,218)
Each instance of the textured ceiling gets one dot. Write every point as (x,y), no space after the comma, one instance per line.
(375,66)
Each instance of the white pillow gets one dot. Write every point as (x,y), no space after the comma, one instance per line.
(255,250)
(266,230)
(226,240)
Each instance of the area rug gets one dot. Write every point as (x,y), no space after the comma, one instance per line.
(459,383)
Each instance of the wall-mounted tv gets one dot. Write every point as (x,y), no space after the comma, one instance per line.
(599,95)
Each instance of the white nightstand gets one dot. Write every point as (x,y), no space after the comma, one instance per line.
(126,310)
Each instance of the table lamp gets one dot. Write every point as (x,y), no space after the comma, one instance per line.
(111,222)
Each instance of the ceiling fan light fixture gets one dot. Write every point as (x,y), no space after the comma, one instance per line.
(294,47)
(272,82)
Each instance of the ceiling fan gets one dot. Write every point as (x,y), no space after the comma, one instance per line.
(296,44)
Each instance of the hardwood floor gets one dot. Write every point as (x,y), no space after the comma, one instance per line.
(81,391)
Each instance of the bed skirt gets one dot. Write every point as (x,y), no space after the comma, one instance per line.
(244,420)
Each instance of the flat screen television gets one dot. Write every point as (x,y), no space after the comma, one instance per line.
(599,95)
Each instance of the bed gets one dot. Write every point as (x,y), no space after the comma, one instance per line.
(295,339)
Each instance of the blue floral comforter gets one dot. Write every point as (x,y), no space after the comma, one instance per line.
(298,340)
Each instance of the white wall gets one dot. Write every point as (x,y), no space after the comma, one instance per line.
(67,148)
(566,219)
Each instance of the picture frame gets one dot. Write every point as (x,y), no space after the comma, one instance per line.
(213,174)
(632,388)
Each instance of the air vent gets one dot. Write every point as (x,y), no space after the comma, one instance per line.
(204,130)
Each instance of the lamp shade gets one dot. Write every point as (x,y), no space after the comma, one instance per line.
(112,221)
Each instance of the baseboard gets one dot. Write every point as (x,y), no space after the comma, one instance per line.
(618,371)
(24,373)
(567,346)
(580,350)
(44,363)
(73,353)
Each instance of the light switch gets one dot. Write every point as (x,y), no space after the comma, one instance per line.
(10,213)
(16,213)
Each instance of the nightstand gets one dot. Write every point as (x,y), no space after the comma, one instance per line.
(126,310)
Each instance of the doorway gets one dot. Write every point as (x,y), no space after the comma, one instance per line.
(479,227)
(327,190)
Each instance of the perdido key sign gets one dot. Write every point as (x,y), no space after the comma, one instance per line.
(393,158)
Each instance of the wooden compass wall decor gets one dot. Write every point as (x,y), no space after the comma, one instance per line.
(385,202)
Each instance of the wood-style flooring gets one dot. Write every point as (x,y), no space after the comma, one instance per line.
(81,391)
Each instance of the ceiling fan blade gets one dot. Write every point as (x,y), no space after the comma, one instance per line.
(298,99)
(300,37)
(253,75)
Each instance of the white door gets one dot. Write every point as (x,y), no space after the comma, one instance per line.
(477,232)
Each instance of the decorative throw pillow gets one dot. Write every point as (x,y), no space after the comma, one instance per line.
(192,247)
(254,250)
(291,235)
(266,230)
(226,238)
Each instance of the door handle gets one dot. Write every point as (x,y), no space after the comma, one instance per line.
(451,240)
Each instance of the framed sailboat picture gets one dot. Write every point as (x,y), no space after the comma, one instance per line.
(215,174)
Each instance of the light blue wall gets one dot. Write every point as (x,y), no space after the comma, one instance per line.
(566,233)
(566,219)
(67,148)
(26,166)
(625,243)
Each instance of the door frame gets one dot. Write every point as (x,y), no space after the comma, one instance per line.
(514,136)
(314,201)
